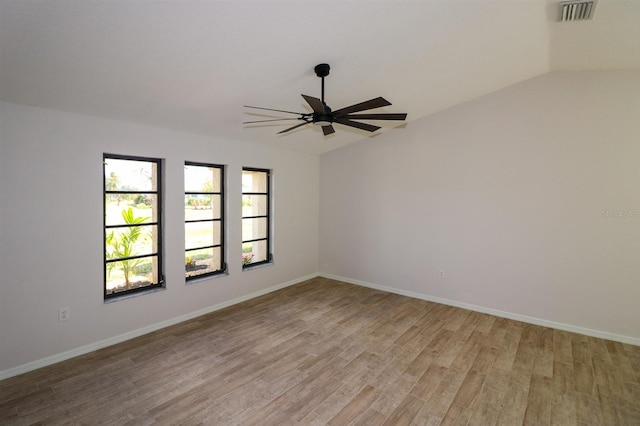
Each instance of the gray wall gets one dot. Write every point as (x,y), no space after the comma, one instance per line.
(528,199)
(51,229)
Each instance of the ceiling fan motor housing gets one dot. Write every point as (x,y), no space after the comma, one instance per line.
(323,119)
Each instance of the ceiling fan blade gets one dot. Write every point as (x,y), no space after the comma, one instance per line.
(270,109)
(316,104)
(265,121)
(376,116)
(370,104)
(363,126)
(327,130)
(294,127)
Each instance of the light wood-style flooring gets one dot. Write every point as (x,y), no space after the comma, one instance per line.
(326,352)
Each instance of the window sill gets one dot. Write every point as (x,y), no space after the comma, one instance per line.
(196,280)
(258,266)
(131,295)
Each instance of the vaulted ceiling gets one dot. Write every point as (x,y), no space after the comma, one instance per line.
(191,65)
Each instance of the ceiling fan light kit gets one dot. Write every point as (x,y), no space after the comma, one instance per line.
(324,117)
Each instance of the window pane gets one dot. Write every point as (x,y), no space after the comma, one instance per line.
(201,234)
(201,179)
(143,208)
(253,252)
(131,274)
(199,207)
(129,175)
(254,205)
(254,228)
(203,211)
(254,181)
(131,241)
(247,247)
(255,217)
(131,204)
(204,261)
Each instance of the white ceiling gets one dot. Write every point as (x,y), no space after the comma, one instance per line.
(191,65)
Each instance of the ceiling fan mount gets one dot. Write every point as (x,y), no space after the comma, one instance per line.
(322,70)
(324,117)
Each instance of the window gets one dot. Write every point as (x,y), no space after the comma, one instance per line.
(203,220)
(256,217)
(132,225)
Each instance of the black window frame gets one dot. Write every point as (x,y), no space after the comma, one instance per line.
(268,216)
(222,221)
(158,223)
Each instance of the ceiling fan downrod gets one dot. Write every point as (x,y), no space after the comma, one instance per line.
(322,70)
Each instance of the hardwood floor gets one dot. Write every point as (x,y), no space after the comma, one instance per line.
(325,352)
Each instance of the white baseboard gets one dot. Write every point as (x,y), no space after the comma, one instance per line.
(510,315)
(34,365)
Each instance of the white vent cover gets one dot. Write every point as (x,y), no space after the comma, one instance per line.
(577,10)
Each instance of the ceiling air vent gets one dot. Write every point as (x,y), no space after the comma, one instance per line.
(577,10)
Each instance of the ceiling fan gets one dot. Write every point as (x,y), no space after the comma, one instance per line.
(323,116)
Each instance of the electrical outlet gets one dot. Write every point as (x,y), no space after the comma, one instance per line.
(441,274)
(63,314)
